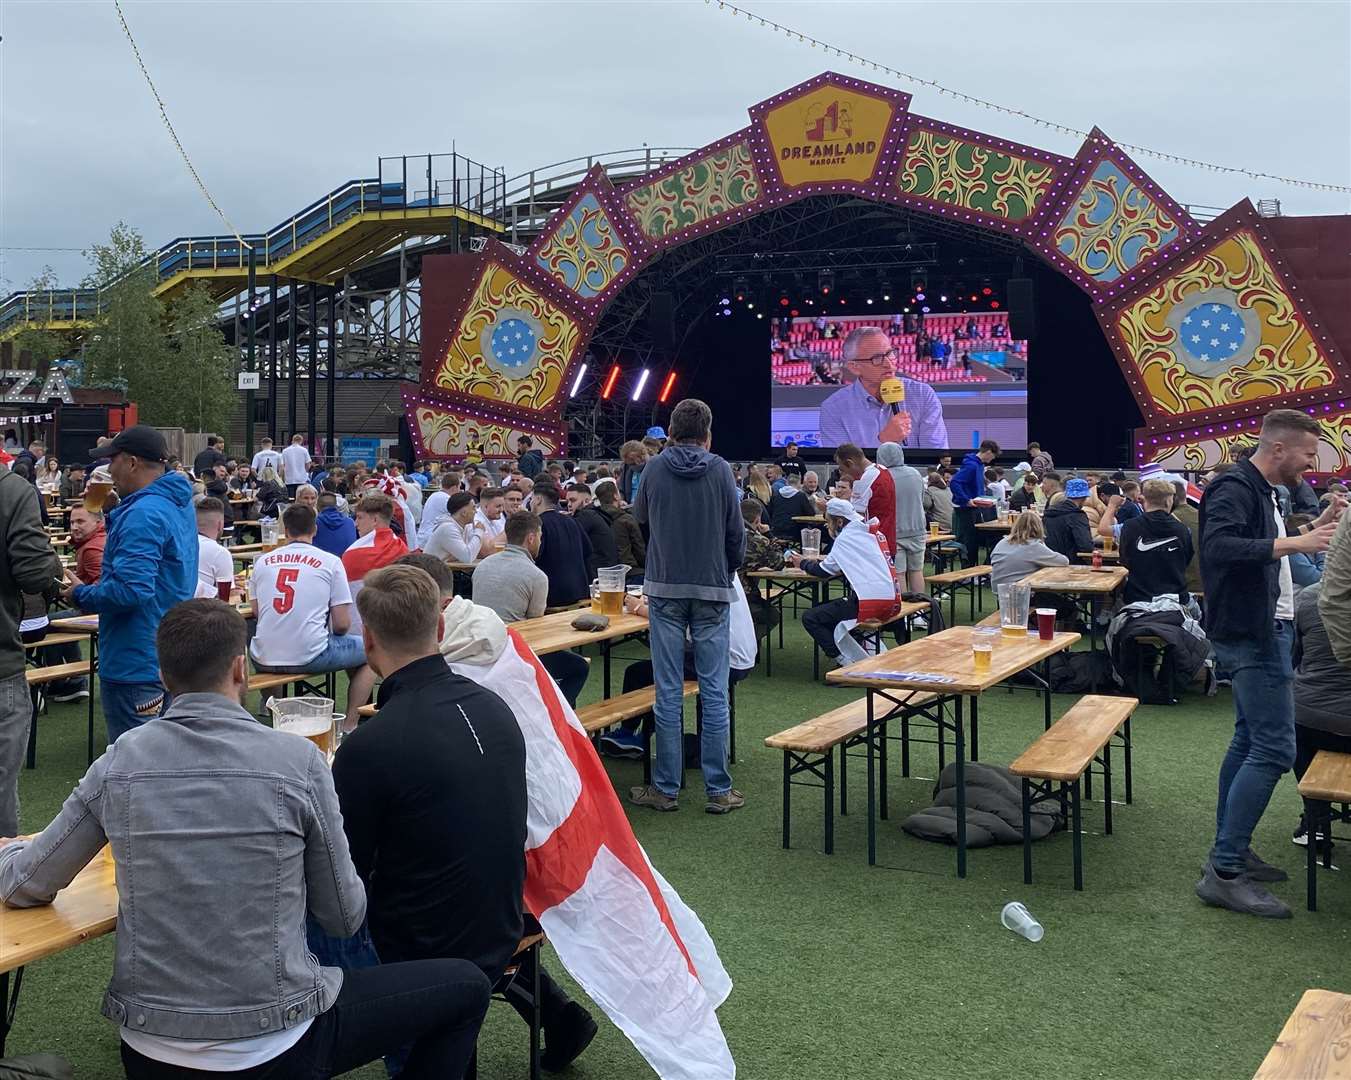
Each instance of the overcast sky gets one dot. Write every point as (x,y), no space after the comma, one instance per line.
(278,103)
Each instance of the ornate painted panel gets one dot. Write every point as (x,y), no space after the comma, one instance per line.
(585,253)
(443,432)
(512,345)
(1204,448)
(1113,225)
(1221,330)
(705,189)
(955,171)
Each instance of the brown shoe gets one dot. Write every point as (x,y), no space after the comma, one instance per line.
(649,796)
(725,804)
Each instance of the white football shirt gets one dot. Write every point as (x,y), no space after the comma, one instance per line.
(213,564)
(295,462)
(294,587)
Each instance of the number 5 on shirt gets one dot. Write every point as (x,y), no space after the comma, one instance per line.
(286,579)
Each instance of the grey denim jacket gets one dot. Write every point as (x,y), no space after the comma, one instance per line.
(223,832)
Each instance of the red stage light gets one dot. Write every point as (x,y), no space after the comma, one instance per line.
(987,291)
(794,313)
(994,304)
(783,301)
(610,381)
(666,388)
(973,296)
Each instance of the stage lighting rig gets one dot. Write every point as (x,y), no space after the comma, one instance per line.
(740,289)
(825,282)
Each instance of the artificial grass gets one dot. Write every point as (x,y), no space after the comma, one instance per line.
(903,970)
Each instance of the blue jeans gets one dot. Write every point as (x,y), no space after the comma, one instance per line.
(342,653)
(129,705)
(1263,746)
(708,625)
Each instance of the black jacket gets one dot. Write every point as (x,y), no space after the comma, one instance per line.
(1067,530)
(1237,532)
(784,505)
(433,800)
(564,552)
(1156,548)
(1022,499)
(27,564)
(604,549)
(206,460)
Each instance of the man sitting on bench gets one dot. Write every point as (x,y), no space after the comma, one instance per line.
(303,605)
(873,593)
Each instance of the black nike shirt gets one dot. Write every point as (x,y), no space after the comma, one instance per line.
(1156,548)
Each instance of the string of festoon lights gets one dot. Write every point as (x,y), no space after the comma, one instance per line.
(1064,129)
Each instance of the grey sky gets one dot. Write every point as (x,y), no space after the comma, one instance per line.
(277,103)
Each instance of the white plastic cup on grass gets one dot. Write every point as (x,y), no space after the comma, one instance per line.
(1015,917)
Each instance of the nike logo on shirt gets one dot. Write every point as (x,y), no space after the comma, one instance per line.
(1143,546)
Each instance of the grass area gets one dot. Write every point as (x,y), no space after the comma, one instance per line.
(903,970)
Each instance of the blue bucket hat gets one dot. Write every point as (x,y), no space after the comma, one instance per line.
(656,432)
(1077,489)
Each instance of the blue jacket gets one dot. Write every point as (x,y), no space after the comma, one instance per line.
(969,481)
(697,536)
(149,565)
(334,532)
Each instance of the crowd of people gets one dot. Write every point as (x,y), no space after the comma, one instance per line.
(402,867)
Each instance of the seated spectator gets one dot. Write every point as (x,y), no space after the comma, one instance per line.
(491,515)
(72,484)
(243,479)
(564,548)
(937,500)
(49,477)
(1156,547)
(215,567)
(856,552)
(203,955)
(434,510)
(1022,552)
(333,487)
(510,584)
(308,495)
(459,538)
(513,498)
(630,545)
(217,486)
(1067,528)
(787,502)
(271,493)
(1322,689)
(1025,498)
(334,531)
(375,545)
(1130,506)
(1305,569)
(757,486)
(1051,486)
(88,534)
(599,533)
(811,487)
(303,604)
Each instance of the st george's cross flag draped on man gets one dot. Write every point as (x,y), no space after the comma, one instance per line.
(617,925)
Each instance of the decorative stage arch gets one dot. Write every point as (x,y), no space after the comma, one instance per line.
(1206,324)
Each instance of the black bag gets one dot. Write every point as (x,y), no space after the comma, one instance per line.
(1074,673)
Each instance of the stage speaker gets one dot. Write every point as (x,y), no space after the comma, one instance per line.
(1022,309)
(661,322)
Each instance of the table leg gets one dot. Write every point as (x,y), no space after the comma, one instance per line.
(816,649)
(975,728)
(1046,692)
(605,663)
(9,1002)
(959,757)
(872,787)
(93,672)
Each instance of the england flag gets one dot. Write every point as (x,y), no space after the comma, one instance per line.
(617,925)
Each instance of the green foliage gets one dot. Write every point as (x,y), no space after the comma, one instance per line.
(202,380)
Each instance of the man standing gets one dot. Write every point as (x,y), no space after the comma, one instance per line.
(599,534)
(633,455)
(857,414)
(207,460)
(265,458)
(1250,608)
(27,565)
(791,464)
(295,463)
(696,543)
(1039,459)
(564,548)
(872,491)
(530,460)
(910,528)
(968,484)
(149,565)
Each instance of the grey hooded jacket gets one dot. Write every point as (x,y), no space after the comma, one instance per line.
(223,832)
(909,490)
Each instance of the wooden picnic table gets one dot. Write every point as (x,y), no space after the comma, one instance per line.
(1313,1042)
(85,909)
(996,526)
(892,678)
(1110,556)
(1086,587)
(796,583)
(554,633)
(810,519)
(465,567)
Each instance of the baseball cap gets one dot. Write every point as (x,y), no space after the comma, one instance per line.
(1076,489)
(140,440)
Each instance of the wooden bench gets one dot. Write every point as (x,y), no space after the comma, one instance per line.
(602,715)
(870,630)
(1313,1041)
(321,683)
(972,578)
(1326,782)
(43,676)
(810,748)
(1054,766)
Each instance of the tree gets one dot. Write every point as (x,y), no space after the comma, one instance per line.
(41,346)
(201,382)
(127,348)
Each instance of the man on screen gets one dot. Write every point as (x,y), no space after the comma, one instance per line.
(857,414)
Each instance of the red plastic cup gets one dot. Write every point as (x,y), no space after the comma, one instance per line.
(223,589)
(1046,623)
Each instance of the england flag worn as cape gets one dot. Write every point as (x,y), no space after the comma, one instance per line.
(619,928)
(377,548)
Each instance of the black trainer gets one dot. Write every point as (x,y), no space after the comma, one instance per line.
(565,1040)
(1240,894)
(1260,870)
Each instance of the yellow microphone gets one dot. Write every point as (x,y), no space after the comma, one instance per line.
(893,394)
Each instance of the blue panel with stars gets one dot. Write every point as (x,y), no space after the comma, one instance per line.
(1212,332)
(514,343)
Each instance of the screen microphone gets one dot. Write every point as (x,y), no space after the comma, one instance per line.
(893,394)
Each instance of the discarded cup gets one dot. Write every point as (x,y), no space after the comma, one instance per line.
(1015,917)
